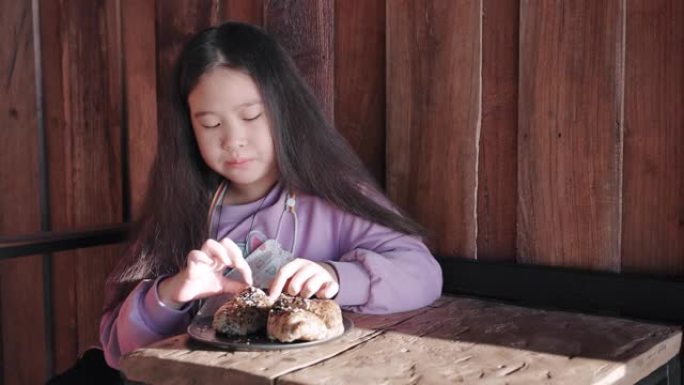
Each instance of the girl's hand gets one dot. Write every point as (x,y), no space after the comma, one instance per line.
(305,278)
(203,274)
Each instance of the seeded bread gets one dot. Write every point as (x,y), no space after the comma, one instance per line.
(246,313)
(288,319)
(296,318)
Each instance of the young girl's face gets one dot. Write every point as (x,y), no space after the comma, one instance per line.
(233,131)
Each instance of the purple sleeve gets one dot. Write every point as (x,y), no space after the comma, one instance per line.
(384,271)
(138,321)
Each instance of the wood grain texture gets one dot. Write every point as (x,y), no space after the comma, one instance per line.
(176,22)
(179,360)
(476,342)
(570,133)
(82,84)
(497,187)
(305,29)
(248,11)
(433,116)
(454,340)
(653,186)
(140,85)
(360,80)
(22,316)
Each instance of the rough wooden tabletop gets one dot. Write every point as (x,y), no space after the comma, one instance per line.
(456,340)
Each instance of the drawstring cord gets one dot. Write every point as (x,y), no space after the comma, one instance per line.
(290,206)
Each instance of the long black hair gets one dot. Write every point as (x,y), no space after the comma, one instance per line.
(312,157)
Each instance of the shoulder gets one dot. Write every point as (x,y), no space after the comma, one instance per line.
(320,212)
(313,204)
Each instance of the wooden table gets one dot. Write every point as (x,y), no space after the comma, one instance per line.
(456,340)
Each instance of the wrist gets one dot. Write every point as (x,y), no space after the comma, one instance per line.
(165,291)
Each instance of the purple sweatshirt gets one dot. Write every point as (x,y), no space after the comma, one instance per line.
(380,270)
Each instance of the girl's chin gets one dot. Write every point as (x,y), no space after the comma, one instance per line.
(238,175)
(250,176)
(244,181)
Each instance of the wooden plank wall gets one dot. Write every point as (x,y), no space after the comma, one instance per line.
(432,147)
(497,174)
(81,58)
(305,29)
(359,78)
(139,44)
(570,133)
(653,187)
(523,131)
(24,355)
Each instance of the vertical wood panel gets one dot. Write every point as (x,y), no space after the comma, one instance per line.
(51,32)
(248,11)
(497,167)
(140,84)
(305,29)
(570,133)
(177,21)
(94,265)
(653,203)
(82,82)
(433,104)
(360,80)
(21,289)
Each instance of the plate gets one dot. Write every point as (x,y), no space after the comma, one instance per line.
(201,330)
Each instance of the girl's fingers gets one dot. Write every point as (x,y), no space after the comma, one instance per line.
(217,253)
(232,286)
(328,290)
(313,285)
(236,260)
(301,277)
(304,278)
(282,276)
(227,254)
(197,256)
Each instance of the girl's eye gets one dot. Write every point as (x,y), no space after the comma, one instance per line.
(211,126)
(252,118)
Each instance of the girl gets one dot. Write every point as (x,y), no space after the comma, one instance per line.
(289,196)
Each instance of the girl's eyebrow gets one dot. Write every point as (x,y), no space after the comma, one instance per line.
(199,114)
(249,103)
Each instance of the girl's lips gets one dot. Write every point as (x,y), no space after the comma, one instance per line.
(237,162)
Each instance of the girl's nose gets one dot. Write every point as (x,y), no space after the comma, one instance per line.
(233,137)
(232,142)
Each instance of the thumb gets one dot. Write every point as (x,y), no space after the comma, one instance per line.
(237,261)
(232,286)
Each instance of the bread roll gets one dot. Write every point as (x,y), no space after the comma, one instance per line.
(288,319)
(246,313)
(287,325)
(295,318)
